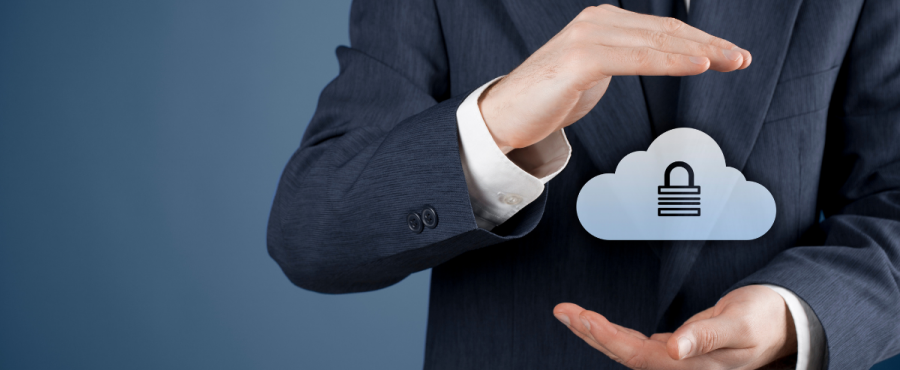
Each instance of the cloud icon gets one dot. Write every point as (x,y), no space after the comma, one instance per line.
(679,189)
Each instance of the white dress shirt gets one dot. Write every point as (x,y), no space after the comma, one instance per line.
(500,185)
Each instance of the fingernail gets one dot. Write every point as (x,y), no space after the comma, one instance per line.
(731,54)
(587,324)
(684,348)
(697,60)
(562,318)
(745,53)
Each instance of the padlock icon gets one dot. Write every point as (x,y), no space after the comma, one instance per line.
(676,201)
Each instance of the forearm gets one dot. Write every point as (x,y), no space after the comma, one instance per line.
(381,147)
(339,219)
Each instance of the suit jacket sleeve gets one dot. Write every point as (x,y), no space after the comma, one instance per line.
(382,144)
(851,279)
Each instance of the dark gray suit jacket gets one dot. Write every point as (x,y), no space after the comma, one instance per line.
(815,119)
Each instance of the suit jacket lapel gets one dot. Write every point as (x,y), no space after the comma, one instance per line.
(619,124)
(730,107)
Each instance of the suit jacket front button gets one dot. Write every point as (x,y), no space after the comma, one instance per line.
(429,217)
(414,222)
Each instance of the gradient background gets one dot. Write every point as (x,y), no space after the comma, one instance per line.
(140,147)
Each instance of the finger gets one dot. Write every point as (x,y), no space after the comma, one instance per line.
(630,331)
(565,312)
(568,314)
(704,336)
(593,343)
(582,329)
(661,41)
(680,29)
(644,61)
(641,353)
(610,15)
(634,352)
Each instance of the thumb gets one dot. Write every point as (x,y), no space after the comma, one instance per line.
(704,336)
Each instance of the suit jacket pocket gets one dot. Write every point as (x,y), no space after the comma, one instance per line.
(801,95)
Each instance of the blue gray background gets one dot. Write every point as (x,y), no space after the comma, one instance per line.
(140,146)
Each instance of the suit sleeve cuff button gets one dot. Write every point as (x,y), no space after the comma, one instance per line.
(429,217)
(414,222)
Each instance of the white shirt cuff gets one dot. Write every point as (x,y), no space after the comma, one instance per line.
(500,185)
(810,334)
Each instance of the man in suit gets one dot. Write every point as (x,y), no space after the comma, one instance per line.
(420,156)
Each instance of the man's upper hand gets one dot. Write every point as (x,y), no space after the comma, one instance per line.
(564,79)
(747,329)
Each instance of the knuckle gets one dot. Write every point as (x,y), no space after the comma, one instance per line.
(591,12)
(711,50)
(656,39)
(640,56)
(579,31)
(672,61)
(637,361)
(708,339)
(671,25)
(581,17)
(606,7)
(602,10)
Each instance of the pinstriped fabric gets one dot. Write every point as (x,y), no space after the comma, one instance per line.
(815,119)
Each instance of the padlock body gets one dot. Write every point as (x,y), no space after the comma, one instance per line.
(679,189)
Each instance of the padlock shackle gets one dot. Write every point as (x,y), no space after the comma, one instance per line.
(686,166)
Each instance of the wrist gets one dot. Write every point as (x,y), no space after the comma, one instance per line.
(486,105)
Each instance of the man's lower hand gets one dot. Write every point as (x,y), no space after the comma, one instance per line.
(747,329)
